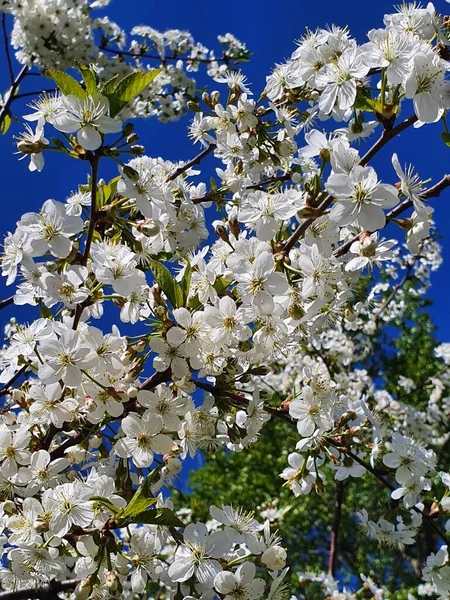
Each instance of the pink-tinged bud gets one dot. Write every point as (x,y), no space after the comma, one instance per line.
(112,581)
(83,589)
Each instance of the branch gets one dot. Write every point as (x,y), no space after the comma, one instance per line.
(390,487)
(8,55)
(335,526)
(385,137)
(165,58)
(4,112)
(432,192)
(5,389)
(194,161)
(6,302)
(92,222)
(46,591)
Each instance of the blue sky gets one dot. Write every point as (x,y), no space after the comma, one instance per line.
(269,30)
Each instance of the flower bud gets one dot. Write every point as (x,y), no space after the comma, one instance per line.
(137,150)
(112,581)
(221,232)
(128,129)
(133,138)
(9,508)
(274,558)
(83,589)
(29,147)
(95,441)
(130,173)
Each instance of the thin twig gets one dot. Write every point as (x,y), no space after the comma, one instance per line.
(5,389)
(165,58)
(6,43)
(35,93)
(4,112)
(335,526)
(194,161)
(92,222)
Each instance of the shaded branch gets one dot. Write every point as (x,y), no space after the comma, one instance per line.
(6,302)
(335,527)
(6,44)
(46,591)
(4,112)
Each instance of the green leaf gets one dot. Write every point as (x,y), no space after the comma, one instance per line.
(140,501)
(89,78)
(445,137)
(158,516)
(109,87)
(186,283)
(129,88)
(364,100)
(6,124)
(167,283)
(107,503)
(67,84)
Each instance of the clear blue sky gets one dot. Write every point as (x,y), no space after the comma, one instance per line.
(269,30)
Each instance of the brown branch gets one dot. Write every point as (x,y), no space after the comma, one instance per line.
(335,526)
(385,137)
(45,591)
(194,161)
(4,112)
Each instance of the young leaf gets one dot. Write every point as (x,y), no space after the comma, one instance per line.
(140,501)
(107,503)
(158,516)
(167,283)
(129,88)
(67,84)
(445,137)
(110,86)
(89,78)
(5,124)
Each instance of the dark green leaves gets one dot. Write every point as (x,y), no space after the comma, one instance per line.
(445,137)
